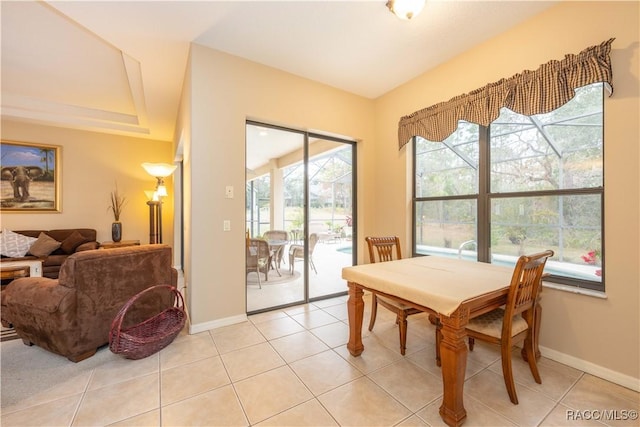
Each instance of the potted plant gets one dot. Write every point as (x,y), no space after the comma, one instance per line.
(117,204)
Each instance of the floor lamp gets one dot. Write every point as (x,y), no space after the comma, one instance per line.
(158,171)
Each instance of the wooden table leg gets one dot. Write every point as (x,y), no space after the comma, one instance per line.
(453,353)
(355,307)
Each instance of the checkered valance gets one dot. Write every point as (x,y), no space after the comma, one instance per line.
(527,93)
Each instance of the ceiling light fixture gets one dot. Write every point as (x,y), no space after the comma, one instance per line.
(405,9)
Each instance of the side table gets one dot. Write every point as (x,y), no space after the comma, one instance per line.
(120,244)
(33,267)
(10,270)
(11,273)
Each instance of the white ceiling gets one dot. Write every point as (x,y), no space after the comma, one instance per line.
(118,66)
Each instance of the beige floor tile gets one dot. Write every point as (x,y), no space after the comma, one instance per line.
(325,371)
(332,302)
(484,353)
(604,389)
(374,356)
(187,351)
(148,419)
(121,369)
(185,335)
(72,386)
(563,416)
(314,319)
(310,413)
(388,334)
(53,413)
(219,407)
(263,317)
(280,327)
(557,379)
(298,346)
(194,378)
(488,387)
(270,393)
(407,383)
(333,335)
(426,359)
(338,311)
(243,363)
(420,322)
(299,309)
(237,336)
(478,415)
(363,403)
(595,394)
(119,401)
(417,325)
(413,421)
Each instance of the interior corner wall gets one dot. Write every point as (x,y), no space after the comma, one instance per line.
(91,165)
(225,91)
(600,335)
(182,146)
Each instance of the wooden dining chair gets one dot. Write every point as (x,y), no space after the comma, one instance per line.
(514,323)
(383,249)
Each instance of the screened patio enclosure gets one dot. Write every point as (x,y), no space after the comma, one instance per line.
(301,184)
(521,185)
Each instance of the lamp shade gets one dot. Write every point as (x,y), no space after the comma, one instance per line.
(152,195)
(406,9)
(162,191)
(159,169)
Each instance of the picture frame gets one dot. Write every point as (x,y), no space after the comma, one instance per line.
(30,177)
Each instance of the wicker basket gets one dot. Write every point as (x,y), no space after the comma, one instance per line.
(151,335)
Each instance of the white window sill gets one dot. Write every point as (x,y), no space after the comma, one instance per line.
(575,290)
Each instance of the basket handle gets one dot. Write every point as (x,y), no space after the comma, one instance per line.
(117,321)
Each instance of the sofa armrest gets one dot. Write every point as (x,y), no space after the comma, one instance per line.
(39,293)
(87,246)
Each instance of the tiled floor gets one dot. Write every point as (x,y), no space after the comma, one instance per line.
(292,368)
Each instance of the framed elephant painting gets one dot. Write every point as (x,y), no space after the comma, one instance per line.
(30,177)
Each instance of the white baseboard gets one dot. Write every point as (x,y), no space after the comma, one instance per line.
(201,327)
(593,369)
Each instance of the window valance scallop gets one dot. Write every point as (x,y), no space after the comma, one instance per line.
(528,93)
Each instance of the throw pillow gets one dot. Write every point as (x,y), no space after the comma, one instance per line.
(15,245)
(70,244)
(44,246)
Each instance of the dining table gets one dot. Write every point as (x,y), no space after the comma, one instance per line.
(453,290)
(276,248)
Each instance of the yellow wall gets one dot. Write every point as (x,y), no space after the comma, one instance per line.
(575,328)
(225,92)
(91,165)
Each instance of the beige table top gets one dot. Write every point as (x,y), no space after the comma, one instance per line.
(439,283)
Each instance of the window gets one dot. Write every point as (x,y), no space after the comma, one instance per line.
(518,186)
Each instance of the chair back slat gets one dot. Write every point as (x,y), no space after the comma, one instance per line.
(384,247)
(525,286)
(276,235)
(313,239)
(258,250)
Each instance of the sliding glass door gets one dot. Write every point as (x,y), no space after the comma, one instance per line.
(300,201)
(330,223)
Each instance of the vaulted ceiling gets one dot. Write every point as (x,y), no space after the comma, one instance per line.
(118,66)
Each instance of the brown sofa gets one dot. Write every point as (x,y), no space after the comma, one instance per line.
(72,315)
(72,240)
